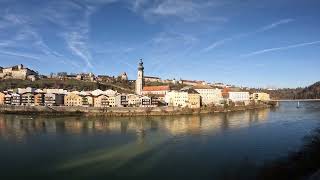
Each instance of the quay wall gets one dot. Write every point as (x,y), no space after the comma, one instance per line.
(119,111)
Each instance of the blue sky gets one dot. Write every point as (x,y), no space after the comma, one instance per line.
(243,42)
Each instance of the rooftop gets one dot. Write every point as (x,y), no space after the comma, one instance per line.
(190,91)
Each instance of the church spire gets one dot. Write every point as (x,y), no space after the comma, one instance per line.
(140,67)
(140,78)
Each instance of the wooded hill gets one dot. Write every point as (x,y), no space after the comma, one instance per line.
(68,84)
(310,92)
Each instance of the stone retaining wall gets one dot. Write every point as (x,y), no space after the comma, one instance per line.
(116,111)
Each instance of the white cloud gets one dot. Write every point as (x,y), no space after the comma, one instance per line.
(137,4)
(187,10)
(280,48)
(77,44)
(275,24)
(235,37)
(23,55)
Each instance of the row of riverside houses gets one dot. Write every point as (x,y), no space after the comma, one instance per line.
(152,96)
(202,95)
(60,97)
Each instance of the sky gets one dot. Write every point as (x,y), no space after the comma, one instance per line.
(265,43)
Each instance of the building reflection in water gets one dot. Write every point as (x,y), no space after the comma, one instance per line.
(18,128)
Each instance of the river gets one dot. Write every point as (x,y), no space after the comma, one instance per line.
(217,146)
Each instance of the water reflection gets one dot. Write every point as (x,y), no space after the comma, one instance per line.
(166,147)
(19,128)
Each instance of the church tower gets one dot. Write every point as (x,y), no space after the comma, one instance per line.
(140,78)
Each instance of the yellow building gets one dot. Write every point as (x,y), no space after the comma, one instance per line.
(185,98)
(87,100)
(261,97)
(39,99)
(194,100)
(73,100)
(112,101)
(2,98)
(101,101)
(177,98)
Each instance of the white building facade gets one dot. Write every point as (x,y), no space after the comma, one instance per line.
(239,96)
(177,98)
(209,95)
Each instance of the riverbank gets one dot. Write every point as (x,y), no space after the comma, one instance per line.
(121,111)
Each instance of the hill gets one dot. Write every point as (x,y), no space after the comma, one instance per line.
(311,92)
(68,84)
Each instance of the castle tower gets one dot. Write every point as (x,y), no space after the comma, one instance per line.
(139,81)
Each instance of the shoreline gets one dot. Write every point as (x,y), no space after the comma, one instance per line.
(121,111)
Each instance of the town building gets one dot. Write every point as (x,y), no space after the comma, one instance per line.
(39,99)
(104,78)
(121,100)
(27,99)
(86,77)
(17,72)
(225,93)
(218,84)
(53,99)
(87,100)
(146,101)
(192,82)
(168,81)
(155,90)
(239,97)
(123,76)
(140,78)
(112,101)
(2,95)
(209,95)
(185,98)
(25,90)
(15,99)
(101,101)
(7,99)
(73,99)
(194,99)
(264,97)
(133,100)
(152,79)
(177,98)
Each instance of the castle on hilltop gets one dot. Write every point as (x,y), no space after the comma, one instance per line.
(18,72)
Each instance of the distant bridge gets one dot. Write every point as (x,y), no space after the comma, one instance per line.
(295,100)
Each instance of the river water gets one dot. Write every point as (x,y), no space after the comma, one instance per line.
(220,146)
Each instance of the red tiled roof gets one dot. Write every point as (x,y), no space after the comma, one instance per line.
(225,92)
(156,88)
